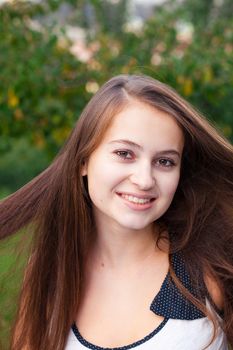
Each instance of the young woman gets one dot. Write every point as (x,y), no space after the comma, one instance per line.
(133,229)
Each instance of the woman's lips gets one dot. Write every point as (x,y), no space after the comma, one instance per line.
(137,202)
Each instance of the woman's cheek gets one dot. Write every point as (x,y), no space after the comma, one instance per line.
(169,184)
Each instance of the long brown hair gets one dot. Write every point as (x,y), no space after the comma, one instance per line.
(57,206)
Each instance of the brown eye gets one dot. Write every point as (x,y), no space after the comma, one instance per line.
(124,154)
(166,162)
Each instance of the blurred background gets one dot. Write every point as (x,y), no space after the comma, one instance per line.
(55,54)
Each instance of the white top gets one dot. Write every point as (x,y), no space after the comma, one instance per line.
(174,335)
(184,327)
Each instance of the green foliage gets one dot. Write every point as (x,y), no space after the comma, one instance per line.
(42,85)
(13,256)
(110,16)
(20,164)
(195,57)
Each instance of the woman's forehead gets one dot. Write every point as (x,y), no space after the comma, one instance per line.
(139,121)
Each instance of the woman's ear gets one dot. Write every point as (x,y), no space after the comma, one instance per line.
(84,168)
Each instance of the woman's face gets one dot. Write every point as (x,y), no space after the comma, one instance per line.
(133,174)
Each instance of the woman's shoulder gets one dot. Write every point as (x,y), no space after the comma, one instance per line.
(214,290)
(208,285)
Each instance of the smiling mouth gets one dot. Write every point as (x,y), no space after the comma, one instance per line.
(136,200)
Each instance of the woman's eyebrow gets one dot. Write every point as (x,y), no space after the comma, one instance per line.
(133,144)
(127,143)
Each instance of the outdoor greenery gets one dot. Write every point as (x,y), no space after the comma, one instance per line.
(44,86)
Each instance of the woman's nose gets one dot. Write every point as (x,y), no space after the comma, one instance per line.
(143,177)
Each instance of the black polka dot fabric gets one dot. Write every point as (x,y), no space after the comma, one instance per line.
(169,302)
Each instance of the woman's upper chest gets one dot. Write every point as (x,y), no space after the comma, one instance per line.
(118,301)
(175,324)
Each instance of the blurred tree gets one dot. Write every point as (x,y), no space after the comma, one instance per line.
(188,45)
(42,84)
(203,13)
(44,87)
(21,164)
(110,15)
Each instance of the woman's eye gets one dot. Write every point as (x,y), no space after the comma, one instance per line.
(124,154)
(166,162)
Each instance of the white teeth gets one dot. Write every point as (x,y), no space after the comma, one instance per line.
(136,199)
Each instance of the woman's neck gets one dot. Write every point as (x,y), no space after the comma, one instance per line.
(117,249)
